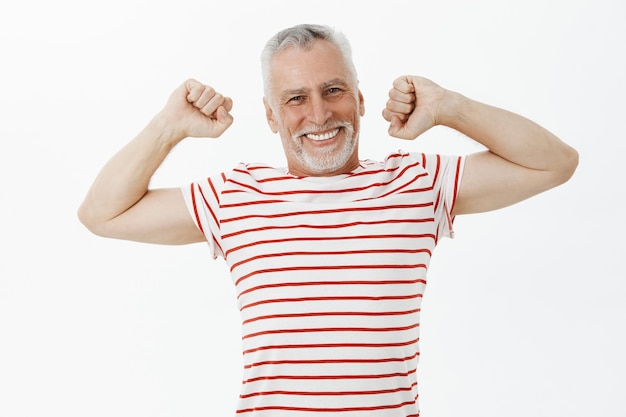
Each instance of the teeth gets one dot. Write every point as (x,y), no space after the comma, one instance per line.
(324,136)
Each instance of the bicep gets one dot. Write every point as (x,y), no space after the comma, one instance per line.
(490,182)
(160,216)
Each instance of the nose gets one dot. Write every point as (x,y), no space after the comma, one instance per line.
(320,111)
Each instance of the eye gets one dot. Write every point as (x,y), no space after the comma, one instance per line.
(333,90)
(295,99)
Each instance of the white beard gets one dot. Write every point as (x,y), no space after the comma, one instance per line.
(326,159)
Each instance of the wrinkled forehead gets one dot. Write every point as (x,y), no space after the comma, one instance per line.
(310,66)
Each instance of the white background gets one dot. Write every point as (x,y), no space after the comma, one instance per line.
(525,312)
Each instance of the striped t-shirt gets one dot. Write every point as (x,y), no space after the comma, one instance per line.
(329,275)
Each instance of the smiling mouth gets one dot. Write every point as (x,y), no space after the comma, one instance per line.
(324,136)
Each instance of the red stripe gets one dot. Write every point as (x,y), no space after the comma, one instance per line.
(331,393)
(291,177)
(346,298)
(325,410)
(332,211)
(217,244)
(329,361)
(215,193)
(423,160)
(215,241)
(250,203)
(334,329)
(327,267)
(330,238)
(323,377)
(207,205)
(417,190)
(195,208)
(327,283)
(437,200)
(398,189)
(332,313)
(457,179)
(351,175)
(274,178)
(329,253)
(292,192)
(437,168)
(329,226)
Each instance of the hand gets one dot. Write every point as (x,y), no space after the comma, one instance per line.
(197,110)
(413,106)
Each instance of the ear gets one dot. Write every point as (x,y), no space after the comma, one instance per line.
(361,104)
(269,115)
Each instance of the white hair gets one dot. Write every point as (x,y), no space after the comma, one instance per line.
(302,37)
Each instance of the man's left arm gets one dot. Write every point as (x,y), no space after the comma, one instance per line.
(522,158)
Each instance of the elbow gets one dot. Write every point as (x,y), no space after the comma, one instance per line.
(562,168)
(88,219)
(568,165)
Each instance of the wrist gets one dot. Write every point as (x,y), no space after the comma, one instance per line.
(165,131)
(452,110)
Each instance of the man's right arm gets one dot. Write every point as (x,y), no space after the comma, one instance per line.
(119,203)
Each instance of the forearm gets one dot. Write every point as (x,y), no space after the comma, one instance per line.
(125,178)
(522,158)
(508,135)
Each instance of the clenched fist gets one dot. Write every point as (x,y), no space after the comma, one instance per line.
(197,110)
(413,107)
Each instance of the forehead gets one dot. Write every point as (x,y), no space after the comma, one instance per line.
(297,68)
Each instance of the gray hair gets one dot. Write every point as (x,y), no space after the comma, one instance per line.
(302,37)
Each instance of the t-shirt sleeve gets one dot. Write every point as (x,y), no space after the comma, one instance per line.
(446,172)
(203,201)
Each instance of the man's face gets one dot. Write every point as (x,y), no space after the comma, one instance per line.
(315,107)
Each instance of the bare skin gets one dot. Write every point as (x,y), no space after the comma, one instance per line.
(523,158)
(314,97)
(119,203)
(315,108)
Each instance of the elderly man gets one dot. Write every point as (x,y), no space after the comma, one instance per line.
(328,254)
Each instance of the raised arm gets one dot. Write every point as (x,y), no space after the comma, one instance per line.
(119,203)
(522,160)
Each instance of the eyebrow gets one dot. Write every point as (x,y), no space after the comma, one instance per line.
(334,81)
(323,86)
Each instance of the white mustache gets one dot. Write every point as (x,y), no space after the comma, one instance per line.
(327,126)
